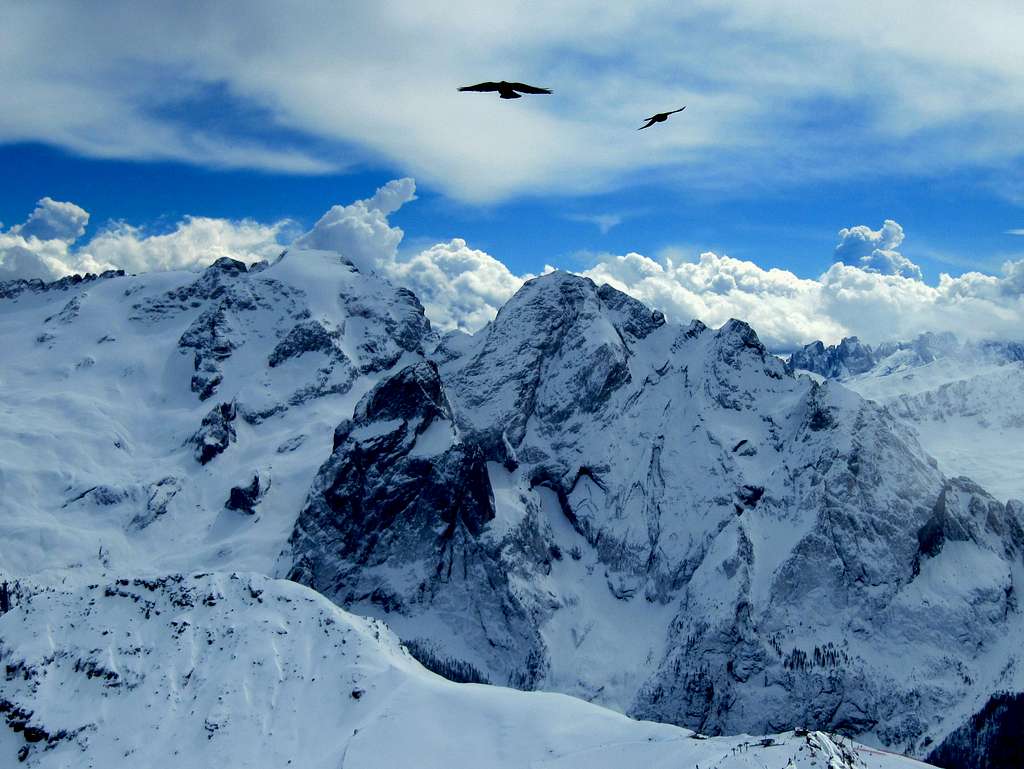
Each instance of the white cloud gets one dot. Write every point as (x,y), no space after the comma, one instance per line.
(460,287)
(876,250)
(1015,232)
(53,220)
(196,241)
(332,84)
(45,245)
(361,230)
(787,310)
(20,263)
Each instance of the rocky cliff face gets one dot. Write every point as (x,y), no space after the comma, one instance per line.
(395,520)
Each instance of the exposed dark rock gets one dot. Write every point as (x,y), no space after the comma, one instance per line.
(215,434)
(456,670)
(633,317)
(291,444)
(69,312)
(158,497)
(211,337)
(849,357)
(400,328)
(11,289)
(245,498)
(308,336)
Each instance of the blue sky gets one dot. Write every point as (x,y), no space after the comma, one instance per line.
(800,121)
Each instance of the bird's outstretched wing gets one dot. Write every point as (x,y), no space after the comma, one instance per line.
(650,121)
(524,88)
(676,110)
(481,87)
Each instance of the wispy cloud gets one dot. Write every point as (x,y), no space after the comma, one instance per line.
(1015,232)
(788,90)
(603,222)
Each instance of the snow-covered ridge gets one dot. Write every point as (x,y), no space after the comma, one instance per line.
(237,670)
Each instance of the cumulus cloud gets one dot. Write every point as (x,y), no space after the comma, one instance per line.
(460,287)
(788,311)
(361,230)
(20,263)
(46,245)
(54,220)
(195,241)
(876,250)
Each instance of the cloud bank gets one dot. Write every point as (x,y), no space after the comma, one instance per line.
(872,291)
(788,311)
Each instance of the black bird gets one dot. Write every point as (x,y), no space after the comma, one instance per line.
(661,117)
(505,89)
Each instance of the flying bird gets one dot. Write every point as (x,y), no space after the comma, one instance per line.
(661,117)
(505,89)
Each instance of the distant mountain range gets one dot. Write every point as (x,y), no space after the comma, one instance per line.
(964,399)
(582,497)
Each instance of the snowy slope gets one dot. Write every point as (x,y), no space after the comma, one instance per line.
(237,670)
(965,400)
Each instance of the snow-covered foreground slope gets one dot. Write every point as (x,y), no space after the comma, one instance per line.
(965,400)
(237,670)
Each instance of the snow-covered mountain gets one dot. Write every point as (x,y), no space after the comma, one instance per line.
(133,406)
(965,400)
(679,529)
(581,497)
